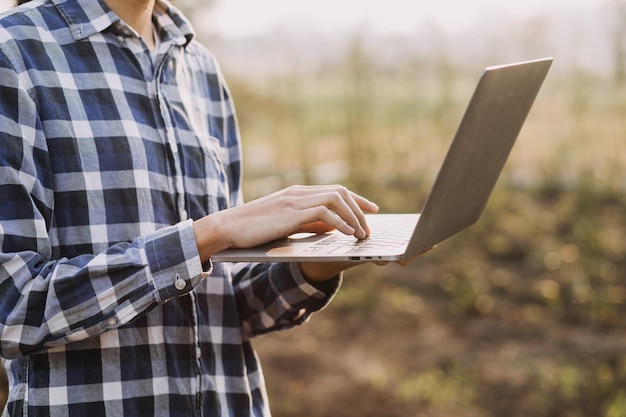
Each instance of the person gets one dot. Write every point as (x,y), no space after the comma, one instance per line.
(120,168)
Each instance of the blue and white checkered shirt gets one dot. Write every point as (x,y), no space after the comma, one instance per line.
(107,153)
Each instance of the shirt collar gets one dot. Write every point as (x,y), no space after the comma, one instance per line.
(88,17)
(172,21)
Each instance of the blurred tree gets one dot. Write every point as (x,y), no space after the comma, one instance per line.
(359,103)
(619,41)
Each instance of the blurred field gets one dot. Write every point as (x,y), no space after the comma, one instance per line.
(521,315)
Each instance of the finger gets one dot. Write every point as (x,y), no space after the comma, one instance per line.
(326,207)
(322,214)
(348,205)
(359,205)
(341,202)
(407,262)
(365,204)
(305,190)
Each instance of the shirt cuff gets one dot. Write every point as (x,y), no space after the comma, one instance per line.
(328,287)
(173,259)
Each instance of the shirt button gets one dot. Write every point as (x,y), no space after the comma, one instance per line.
(111,322)
(179,283)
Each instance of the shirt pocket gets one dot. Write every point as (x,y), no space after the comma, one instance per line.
(212,182)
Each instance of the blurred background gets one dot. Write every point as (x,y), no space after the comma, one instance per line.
(523,314)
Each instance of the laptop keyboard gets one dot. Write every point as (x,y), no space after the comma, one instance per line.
(339,243)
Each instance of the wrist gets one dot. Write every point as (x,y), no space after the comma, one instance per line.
(322,271)
(209,238)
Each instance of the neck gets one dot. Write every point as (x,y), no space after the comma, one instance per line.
(138,14)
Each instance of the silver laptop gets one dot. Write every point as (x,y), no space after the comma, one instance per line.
(481,146)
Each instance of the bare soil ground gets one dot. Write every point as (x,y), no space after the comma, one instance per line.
(400,342)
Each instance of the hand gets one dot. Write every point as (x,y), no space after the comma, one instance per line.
(407,262)
(316,209)
(321,271)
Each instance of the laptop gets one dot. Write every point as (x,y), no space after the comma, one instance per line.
(482,143)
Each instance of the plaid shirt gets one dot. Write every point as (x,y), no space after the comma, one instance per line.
(107,153)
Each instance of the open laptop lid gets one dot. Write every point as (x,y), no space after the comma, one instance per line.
(483,141)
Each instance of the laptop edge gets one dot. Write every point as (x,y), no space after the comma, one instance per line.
(497,111)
